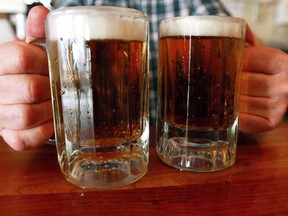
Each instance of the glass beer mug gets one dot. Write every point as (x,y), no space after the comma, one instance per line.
(98,58)
(200,61)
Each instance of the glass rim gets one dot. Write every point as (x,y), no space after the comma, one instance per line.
(203,25)
(100,10)
(204,18)
(97,22)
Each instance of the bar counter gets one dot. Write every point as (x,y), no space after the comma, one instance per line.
(31,183)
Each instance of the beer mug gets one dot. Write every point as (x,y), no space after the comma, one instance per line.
(200,61)
(98,64)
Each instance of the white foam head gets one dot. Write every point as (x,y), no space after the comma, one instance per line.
(96,22)
(203,26)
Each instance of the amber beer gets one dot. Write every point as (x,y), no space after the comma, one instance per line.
(201,71)
(117,83)
(99,78)
(200,60)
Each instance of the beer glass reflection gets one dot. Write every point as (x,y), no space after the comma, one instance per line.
(99,80)
(200,60)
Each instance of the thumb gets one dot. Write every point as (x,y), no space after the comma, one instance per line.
(35,23)
(249,38)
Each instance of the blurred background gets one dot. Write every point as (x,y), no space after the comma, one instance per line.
(267,18)
(13,14)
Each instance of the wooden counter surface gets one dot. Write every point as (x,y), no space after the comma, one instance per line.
(31,183)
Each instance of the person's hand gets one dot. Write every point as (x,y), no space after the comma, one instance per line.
(25,104)
(264,89)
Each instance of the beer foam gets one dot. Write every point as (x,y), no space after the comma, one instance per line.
(88,23)
(203,26)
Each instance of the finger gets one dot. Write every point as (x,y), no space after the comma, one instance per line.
(30,138)
(254,124)
(30,88)
(19,57)
(262,85)
(258,59)
(35,23)
(249,38)
(271,109)
(25,116)
(261,106)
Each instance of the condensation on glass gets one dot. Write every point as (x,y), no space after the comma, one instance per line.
(200,60)
(98,58)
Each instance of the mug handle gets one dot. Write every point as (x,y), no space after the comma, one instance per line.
(41,43)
